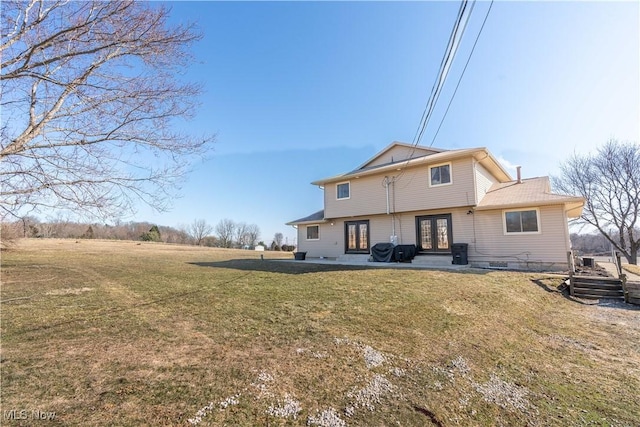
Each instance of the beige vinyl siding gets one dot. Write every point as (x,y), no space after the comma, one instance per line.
(484,181)
(398,153)
(482,230)
(550,245)
(410,192)
(330,241)
(366,196)
(331,237)
(461,224)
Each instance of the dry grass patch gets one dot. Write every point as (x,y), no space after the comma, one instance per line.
(124,334)
(635,269)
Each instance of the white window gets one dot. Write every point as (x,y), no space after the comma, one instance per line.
(313,232)
(522,221)
(440,175)
(343,190)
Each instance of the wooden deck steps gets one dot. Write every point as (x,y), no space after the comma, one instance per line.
(632,292)
(595,287)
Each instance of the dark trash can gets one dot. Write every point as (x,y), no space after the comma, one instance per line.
(459,252)
(587,262)
(300,256)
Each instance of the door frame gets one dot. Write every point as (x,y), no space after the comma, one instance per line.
(434,218)
(358,249)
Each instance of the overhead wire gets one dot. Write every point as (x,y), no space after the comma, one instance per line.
(445,64)
(444,116)
(452,47)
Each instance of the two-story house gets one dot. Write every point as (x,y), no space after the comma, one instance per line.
(433,198)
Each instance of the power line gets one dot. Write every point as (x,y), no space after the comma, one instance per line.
(452,47)
(462,74)
(445,64)
(433,88)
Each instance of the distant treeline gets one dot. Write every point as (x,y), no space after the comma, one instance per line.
(590,244)
(142,231)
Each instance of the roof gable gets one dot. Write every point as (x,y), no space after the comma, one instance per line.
(480,154)
(397,152)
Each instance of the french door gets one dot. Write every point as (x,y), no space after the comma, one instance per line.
(356,237)
(434,233)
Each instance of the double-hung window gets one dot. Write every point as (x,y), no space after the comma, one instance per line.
(313,232)
(343,190)
(522,221)
(440,175)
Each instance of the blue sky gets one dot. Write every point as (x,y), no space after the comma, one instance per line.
(298,91)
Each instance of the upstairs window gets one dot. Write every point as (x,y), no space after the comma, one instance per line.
(440,175)
(521,221)
(343,190)
(313,232)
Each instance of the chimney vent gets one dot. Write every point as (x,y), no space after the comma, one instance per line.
(519,174)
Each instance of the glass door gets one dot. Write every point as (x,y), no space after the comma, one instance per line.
(434,233)
(357,237)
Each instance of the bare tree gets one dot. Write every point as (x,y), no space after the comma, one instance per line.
(198,230)
(277,239)
(10,232)
(89,97)
(225,231)
(175,235)
(610,183)
(241,234)
(252,235)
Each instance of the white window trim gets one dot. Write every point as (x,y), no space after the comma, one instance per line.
(306,234)
(520,233)
(340,183)
(450,174)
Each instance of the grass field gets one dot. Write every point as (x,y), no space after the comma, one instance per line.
(123,333)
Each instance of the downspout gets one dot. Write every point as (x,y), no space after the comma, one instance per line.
(393,216)
(393,237)
(386,185)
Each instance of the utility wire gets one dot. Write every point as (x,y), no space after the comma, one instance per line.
(462,74)
(442,62)
(452,47)
(445,64)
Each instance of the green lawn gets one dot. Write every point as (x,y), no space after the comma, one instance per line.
(123,333)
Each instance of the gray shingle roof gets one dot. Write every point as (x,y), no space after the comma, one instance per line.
(314,217)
